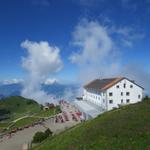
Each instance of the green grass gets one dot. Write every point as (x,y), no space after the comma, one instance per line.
(127,128)
(24,121)
(4,125)
(19,106)
(49,112)
(46,113)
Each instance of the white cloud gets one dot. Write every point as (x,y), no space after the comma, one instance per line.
(41,61)
(96,57)
(126,35)
(94,41)
(12,81)
(50,81)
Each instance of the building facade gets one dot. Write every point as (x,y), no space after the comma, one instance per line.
(112,93)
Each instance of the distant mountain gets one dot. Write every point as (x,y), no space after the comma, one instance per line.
(2,96)
(10,90)
(57,89)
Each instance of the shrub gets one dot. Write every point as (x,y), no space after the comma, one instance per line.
(18,104)
(41,107)
(58,109)
(30,102)
(40,136)
(48,132)
(4,111)
(146,97)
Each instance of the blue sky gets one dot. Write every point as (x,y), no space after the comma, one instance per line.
(127,23)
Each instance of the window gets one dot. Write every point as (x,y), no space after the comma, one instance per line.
(122,101)
(139,96)
(117,86)
(127,93)
(110,101)
(103,100)
(131,86)
(128,101)
(121,93)
(124,85)
(110,94)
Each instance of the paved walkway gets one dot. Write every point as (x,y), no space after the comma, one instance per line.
(88,108)
(19,138)
(20,118)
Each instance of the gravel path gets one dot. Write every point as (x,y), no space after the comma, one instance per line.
(19,138)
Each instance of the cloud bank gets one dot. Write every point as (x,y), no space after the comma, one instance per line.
(41,61)
(12,81)
(50,81)
(96,55)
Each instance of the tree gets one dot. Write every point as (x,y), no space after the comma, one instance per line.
(40,136)
(48,132)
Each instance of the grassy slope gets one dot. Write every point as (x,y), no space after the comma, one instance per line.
(24,121)
(126,128)
(19,106)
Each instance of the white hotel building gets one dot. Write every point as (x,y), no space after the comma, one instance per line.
(103,95)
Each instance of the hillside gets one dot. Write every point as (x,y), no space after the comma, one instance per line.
(126,128)
(17,106)
(16,111)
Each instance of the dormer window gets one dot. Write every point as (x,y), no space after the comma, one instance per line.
(131,86)
(117,86)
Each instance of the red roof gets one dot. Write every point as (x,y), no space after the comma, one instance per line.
(104,84)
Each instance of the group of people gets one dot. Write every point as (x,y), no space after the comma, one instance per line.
(59,119)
